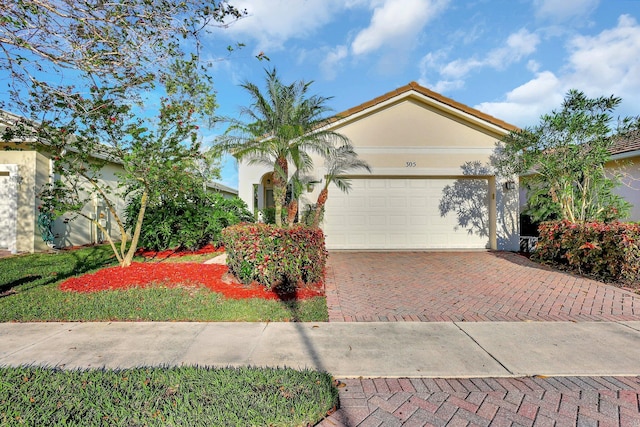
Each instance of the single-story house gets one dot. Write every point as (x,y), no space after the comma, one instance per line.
(625,160)
(431,185)
(23,173)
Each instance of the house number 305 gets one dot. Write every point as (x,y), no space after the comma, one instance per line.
(410,164)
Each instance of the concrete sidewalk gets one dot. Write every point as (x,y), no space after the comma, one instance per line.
(346,350)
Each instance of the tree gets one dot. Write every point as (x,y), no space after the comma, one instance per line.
(339,161)
(285,125)
(126,44)
(562,160)
(109,56)
(157,156)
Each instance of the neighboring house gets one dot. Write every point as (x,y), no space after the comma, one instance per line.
(625,160)
(431,185)
(23,172)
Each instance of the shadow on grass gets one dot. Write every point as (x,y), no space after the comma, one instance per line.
(7,288)
(27,272)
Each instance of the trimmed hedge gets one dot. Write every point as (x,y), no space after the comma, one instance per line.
(607,251)
(275,257)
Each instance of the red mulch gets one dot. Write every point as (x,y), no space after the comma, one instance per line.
(141,275)
(173,253)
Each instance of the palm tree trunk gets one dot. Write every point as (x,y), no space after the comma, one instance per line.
(322,199)
(292,210)
(280,175)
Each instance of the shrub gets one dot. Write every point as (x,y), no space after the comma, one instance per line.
(273,256)
(606,251)
(187,220)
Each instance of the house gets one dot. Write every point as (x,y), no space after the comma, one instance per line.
(625,161)
(431,185)
(23,173)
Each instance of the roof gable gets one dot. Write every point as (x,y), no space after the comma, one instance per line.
(443,102)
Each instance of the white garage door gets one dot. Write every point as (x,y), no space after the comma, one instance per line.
(405,214)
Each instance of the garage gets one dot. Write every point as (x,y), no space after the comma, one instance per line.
(431,183)
(404,213)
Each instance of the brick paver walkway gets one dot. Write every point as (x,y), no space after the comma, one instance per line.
(465,286)
(570,401)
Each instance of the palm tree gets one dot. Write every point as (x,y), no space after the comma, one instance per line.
(339,161)
(285,125)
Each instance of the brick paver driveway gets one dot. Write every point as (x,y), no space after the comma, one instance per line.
(465,286)
(475,286)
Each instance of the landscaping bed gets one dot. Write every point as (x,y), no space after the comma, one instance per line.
(86,285)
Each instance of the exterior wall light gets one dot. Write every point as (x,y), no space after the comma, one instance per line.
(311,185)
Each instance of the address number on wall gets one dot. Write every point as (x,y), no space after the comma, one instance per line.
(410,164)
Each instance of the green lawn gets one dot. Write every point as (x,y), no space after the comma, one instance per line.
(28,285)
(182,396)
(163,396)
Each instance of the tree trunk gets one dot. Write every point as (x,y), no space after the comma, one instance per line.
(280,174)
(126,261)
(292,210)
(322,199)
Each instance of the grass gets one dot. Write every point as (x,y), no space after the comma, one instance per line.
(29,292)
(184,396)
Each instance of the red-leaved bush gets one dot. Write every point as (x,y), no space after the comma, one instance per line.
(607,251)
(274,256)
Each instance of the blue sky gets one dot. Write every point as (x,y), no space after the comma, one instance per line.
(513,59)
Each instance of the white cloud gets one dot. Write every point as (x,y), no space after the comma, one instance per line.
(525,104)
(563,10)
(395,22)
(272,22)
(533,66)
(609,61)
(601,65)
(443,86)
(517,46)
(332,61)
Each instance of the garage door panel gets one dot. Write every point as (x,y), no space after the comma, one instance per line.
(377,220)
(418,220)
(375,184)
(356,202)
(395,214)
(397,183)
(377,202)
(377,239)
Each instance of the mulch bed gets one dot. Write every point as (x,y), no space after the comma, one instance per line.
(212,276)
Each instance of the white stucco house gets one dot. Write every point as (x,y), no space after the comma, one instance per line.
(23,173)
(431,186)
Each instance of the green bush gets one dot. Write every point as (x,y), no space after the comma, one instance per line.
(187,220)
(275,257)
(607,251)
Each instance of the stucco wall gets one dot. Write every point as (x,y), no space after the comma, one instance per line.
(430,141)
(27,162)
(72,229)
(411,138)
(629,169)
